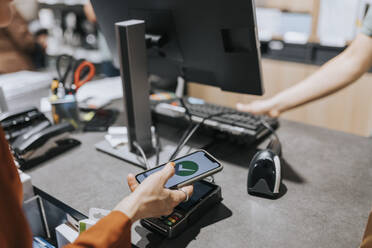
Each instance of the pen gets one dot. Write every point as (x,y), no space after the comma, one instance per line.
(54,86)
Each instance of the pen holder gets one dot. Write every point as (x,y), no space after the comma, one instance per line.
(66,110)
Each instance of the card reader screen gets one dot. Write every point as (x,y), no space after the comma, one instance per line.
(200,191)
(187,167)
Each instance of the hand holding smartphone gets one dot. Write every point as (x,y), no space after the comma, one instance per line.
(188,169)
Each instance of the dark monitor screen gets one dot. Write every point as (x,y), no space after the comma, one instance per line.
(209,42)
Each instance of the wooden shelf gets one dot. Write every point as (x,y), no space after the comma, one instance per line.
(298,6)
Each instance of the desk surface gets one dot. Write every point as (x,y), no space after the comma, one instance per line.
(327,176)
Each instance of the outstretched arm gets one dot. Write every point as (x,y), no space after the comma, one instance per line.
(338,73)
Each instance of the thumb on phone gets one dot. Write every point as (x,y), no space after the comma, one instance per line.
(167,172)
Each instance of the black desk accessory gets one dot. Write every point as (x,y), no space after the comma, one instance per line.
(102,120)
(264,175)
(20,121)
(33,148)
(204,197)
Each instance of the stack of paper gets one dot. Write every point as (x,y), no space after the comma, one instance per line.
(22,82)
(294,27)
(100,92)
(337,21)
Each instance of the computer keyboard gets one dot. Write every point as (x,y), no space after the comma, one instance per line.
(222,119)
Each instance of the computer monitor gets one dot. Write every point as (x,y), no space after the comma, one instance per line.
(205,41)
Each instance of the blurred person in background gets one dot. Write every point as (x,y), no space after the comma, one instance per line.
(28,9)
(19,49)
(107,66)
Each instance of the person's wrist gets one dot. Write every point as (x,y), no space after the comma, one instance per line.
(130,207)
(277,104)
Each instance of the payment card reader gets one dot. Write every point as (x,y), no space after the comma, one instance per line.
(205,196)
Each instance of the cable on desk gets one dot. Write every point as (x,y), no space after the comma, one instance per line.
(139,148)
(278,148)
(267,125)
(188,130)
(187,111)
(157,150)
(157,145)
(186,136)
(193,130)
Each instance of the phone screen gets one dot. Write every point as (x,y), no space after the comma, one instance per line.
(190,166)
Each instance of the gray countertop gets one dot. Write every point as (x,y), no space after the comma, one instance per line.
(327,181)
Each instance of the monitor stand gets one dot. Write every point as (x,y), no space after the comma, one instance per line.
(136,89)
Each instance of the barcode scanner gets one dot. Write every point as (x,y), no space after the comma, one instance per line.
(264,174)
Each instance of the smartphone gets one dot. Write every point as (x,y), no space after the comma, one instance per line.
(190,168)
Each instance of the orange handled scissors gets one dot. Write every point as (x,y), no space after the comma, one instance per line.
(78,81)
